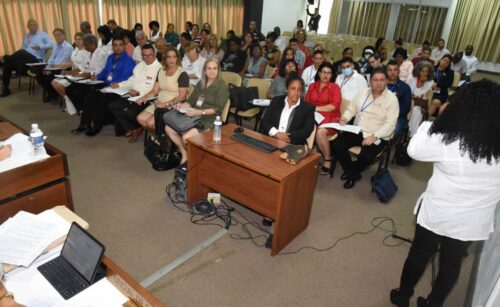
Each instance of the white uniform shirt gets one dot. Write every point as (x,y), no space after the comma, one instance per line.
(437,54)
(471,62)
(97,61)
(351,86)
(143,78)
(285,117)
(137,55)
(80,57)
(308,75)
(195,68)
(460,199)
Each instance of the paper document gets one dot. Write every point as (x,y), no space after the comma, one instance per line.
(261,102)
(134,99)
(337,126)
(24,237)
(52,68)
(118,91)
(88,81)
(22,152)
(318,117)
(36,64)
(69,77)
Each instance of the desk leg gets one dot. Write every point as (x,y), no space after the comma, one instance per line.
(195,189)
(294,208)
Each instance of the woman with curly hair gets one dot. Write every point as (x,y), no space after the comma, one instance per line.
(420,84)
(458,205)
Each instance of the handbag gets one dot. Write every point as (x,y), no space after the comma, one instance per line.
(401,156)
(241,97)
(180,122)
(383,185)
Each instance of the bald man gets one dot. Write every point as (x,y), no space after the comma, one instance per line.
(35,43)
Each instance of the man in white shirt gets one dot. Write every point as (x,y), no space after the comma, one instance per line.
(350,81)
(193,63)
(376,111)
(440,51)
(471,62)
(141,39)
(280,39)
(309,73)
(139,84)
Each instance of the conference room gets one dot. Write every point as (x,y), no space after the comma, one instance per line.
(249,153)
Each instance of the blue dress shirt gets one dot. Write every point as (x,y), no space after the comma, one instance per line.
(118,68)
(40,39)
(61,53)
(403,93)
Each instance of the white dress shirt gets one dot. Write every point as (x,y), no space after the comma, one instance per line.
(285,117)
(352,85)
(137,55)
(97,61)
(195,68)
(471,62)
(281,43)
(437,54)
(460,199)
(308,75)
(79,58)
(416,114)
(143,78)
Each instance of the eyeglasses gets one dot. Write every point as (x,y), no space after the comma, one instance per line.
(326,72)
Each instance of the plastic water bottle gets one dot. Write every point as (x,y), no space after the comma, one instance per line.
(217,129)
(37,140)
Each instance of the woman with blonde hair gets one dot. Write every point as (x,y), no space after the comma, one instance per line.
(211,49)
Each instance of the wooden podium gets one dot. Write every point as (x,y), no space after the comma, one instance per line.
(260,181)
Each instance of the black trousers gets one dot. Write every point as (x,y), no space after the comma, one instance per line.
(96,109)
(77,93)
(16,61)
(126,112)
(425,245)
(340,150)
(45,79)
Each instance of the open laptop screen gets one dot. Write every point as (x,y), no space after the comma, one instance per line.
(82,251)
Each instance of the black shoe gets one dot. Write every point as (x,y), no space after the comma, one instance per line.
(425,302)
(5,92)
(398,299)
(80,129)
(92,131)
(350,183)
(344,176)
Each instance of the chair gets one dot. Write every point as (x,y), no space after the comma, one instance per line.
(263,86)
(31,73)
(454,86)
(231,78)
(190,90)
(225,111)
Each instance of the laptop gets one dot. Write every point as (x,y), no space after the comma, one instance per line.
(75,269)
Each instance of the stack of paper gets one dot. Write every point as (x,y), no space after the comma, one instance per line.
(22,152)
(133,99)
(69,77)
(337,126)
(261,102)
(118,91)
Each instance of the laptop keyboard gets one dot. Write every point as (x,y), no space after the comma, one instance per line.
(63,277)
(252,142)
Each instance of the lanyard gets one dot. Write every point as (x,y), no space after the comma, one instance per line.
(363,107)
(346,79)
(392,87)
(439,75)
(311,75)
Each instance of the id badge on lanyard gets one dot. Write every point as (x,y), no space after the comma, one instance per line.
(200,101)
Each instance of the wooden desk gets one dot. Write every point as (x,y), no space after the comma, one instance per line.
(35,187)
(260,181)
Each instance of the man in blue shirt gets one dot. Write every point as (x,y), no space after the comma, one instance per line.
(35,43)
(402,91)
(119,67)
(60,58)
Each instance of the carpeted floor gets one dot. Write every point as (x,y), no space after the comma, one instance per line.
(123,199)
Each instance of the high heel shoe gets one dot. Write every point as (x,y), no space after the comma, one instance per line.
(325,170)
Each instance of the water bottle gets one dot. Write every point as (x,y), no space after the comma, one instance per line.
(37,140)
(217,129)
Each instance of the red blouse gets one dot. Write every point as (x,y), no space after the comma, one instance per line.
(330,94)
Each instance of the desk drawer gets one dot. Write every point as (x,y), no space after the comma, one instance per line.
(39,200)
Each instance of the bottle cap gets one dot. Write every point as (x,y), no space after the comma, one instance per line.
(34,126)
(217,117)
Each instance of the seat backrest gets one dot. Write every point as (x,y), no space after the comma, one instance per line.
(225,111)
(456,79)
(48,54)
(190,90)
(261,84)
(343,105)
(310,138)
(231,78)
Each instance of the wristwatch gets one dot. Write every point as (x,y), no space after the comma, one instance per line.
(6,294)
(203,112)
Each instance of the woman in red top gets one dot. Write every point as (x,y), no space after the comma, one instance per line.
(326,96)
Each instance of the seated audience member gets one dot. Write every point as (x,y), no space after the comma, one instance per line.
(79,60)
(309,74)
(376,110)
(280,40)
(207,26)
(384,56)
(154,26)
(211,49)
(171,87)
(278,121)
(35,44)
(193,63)
(299,56)
(141,39)
(247,42)
(195,35)
(105,39)
(61,55)
(85,27)
(405,66)
(160,46)
(374,62)
(129,48)
(234,59)
(270,51)
(208,99)
(184,41)
(137,27)
(139,84)
(363,63)
(298,27)
(278,85)
(119,67)
(402,92)
(287,55)
(97,60)
(324,94)
(171,37)
(425,55)
(303,45)
(309,59)
(440,51)
(397,44)
(471,62)
(337,66)
(351,83)
(114,28)
(420,84)
(204,36)
(458,64)
(224,42)
(419,50)
(188,26)
(257,35)
(379,45)
(256,64)
(443,78)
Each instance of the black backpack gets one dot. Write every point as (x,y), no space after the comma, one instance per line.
(241,97)
(401,156)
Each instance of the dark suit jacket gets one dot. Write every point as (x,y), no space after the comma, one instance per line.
(302,123)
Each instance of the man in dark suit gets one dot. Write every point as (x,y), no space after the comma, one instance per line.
(314,21)
(289,118)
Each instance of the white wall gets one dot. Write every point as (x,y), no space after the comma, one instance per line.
(282,13)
